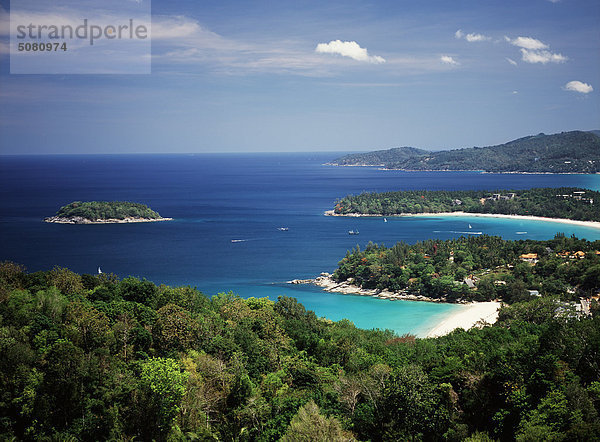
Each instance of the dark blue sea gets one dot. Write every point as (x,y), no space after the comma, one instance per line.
(217,198)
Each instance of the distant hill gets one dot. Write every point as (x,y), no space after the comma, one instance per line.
(575,152)
(381,157)
(595,132)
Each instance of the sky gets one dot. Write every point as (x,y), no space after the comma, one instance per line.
(287,76)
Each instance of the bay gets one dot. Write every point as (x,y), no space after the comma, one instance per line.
(217,198)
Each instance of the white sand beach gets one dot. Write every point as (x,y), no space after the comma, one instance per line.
(467,317)
(594,224)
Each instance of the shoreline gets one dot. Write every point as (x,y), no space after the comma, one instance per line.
(79,220)
(347,288)
(516,172)
(593,224)
(472,314)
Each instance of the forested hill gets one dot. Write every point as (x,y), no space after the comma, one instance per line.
(478,268)
(89,357)
(380,157)
(574,152)
(563,202)
(104,211)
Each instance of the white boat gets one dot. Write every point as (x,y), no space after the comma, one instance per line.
(283,229)
(99,271)
(385,220)
(353,232)
(470,226)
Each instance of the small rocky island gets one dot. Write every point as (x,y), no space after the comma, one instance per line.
(104,212)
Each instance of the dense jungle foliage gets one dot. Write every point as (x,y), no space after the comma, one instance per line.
(568,268)
(565,202)
(102,210)
(87,357)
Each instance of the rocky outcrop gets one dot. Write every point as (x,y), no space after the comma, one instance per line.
(347,287)
(81,220)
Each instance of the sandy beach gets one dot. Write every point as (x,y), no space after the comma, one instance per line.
(594,224)
(467,318)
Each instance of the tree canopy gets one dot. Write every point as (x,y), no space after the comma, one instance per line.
(103,210)
(563,202)
(91,357)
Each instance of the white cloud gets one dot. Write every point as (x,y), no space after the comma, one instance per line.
(542,57)
(527,43)
(446,59)
(471,37)
(515,92)
(476,37)
(511,61)
(578,86)
(349,49)
(174,27)
(535,51)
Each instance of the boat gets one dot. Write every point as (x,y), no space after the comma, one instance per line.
(238,240)
(353,232)
(385,220)
(283,229)
(470,226)
(99,270)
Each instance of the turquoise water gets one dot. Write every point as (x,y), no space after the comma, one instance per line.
(218,198)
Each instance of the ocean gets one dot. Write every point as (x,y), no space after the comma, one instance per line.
(217,198)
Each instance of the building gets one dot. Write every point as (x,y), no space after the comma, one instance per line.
(470,283)
(529,257)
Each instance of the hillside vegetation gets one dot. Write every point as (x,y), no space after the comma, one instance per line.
(87,357)
(563,202)
(381,157)
(478,268)
(565,152)
(103,210)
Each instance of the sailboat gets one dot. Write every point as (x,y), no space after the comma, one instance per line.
(385,220)
(470,226)
(99,271)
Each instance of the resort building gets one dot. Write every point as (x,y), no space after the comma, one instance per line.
(529,257)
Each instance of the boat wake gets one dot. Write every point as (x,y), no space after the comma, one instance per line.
(458,231)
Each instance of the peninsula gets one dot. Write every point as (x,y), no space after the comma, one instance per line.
(566,152)
(463,270)
(104,212)
(565,203)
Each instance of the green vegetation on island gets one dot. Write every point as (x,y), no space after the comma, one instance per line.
(87,357)
(479,268)
(99,211)
(381,157)
(564,202)
(566,152)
